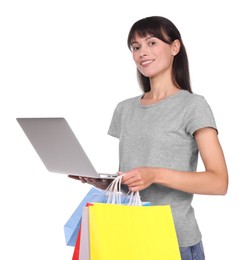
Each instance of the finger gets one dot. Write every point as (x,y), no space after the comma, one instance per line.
(136,188)
(130,179)
(127,176)
(130,183)
(135,183)
(77,178)
(91,180)
(73,177)
(87,180)
(82,179)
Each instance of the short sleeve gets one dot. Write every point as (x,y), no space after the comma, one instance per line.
(199,115)
(114,128)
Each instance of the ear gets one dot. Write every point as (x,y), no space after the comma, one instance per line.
(175,47)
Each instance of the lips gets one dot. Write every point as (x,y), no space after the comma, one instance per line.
(145,62)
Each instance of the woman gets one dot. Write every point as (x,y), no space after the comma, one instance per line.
(162,131)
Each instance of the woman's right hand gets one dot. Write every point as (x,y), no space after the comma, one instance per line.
(98,183)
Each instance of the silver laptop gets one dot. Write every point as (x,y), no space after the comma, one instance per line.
(58,147)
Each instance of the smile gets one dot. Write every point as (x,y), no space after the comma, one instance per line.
(146,62)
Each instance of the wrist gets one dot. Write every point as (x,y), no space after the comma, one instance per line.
(156,174)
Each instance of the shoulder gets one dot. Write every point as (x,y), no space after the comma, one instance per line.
(193,97)
(197,113)
(196,106)
(129,102)
(193,100)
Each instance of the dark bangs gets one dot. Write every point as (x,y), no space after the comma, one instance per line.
(154,26)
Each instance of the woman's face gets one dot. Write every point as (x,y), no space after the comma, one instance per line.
(152,56)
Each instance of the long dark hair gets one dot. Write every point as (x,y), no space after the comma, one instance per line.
(166,31)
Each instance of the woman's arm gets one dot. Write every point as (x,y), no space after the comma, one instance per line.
(214,180)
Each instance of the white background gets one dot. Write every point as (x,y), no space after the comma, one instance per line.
(70,58)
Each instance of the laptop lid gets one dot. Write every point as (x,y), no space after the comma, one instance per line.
(58,147)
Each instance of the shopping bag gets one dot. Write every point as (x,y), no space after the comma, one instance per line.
(84,245)
(132,232)
(75,255)
(111,195)
(72,225)
(81,251)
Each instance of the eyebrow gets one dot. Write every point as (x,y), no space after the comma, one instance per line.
(146,38)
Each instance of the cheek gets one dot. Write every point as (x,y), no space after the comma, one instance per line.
(167,59)
(136,60)
(135,57)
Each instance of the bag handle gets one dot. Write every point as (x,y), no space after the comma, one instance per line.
(114,193)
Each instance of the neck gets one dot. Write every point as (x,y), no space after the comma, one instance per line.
(156,95)
(161,87)
(161,92)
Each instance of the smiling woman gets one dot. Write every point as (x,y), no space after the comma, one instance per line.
(162,132)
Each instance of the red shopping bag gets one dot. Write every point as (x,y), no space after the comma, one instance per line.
(76,249)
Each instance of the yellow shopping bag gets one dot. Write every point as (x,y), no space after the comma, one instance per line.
(122,232)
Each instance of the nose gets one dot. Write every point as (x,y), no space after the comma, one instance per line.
(143,54)
(143,51)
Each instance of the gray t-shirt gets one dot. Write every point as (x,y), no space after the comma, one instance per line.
(161,135)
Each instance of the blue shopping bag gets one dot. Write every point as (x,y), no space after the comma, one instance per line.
(72,226)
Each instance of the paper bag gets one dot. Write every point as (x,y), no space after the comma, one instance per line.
(71,227)
(132,232)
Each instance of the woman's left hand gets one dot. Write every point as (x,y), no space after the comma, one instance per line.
(138,178)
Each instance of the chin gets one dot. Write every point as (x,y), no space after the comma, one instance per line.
(147,74)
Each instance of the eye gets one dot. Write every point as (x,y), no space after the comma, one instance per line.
(135,48)
(152,43)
